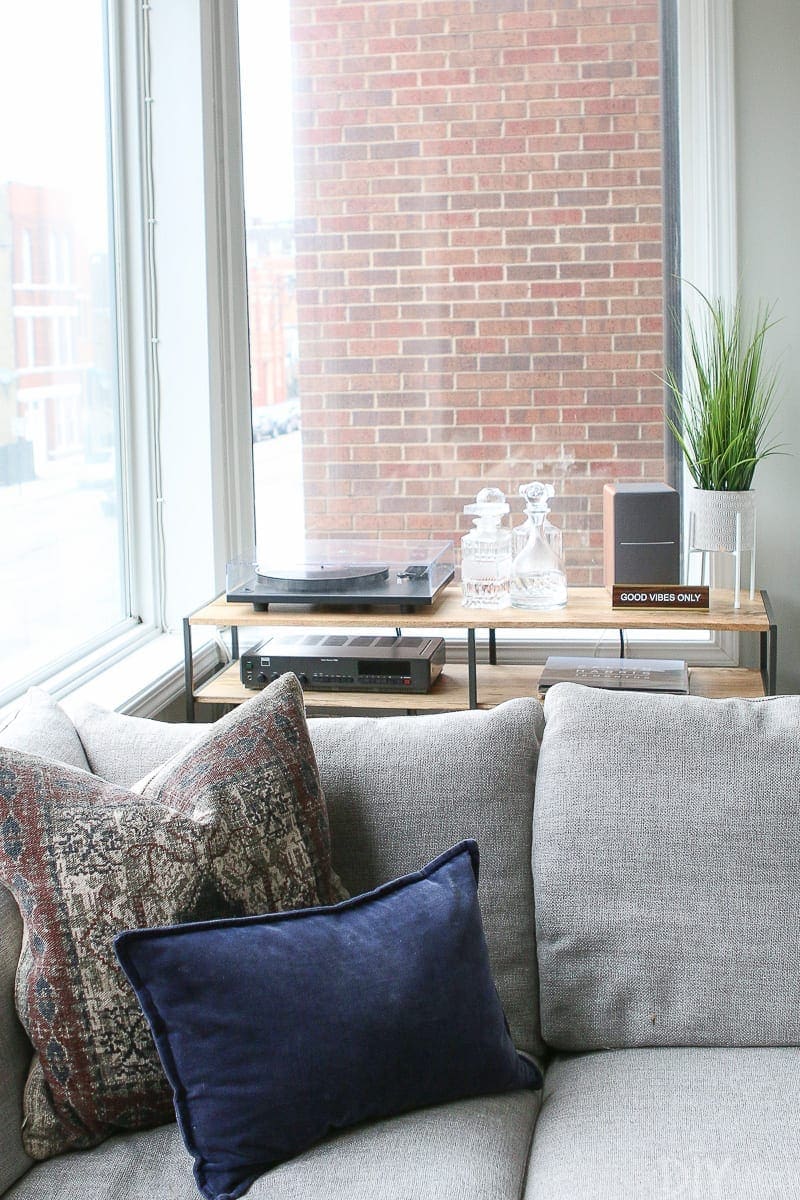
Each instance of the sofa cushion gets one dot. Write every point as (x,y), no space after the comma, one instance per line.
(124,749)
(277,1028)
(682,1124)
(41,726)
(235,824)
(667,870)
(399,788)
(473,1148)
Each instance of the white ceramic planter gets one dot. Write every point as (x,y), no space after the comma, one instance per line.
(712,520)
(723,522)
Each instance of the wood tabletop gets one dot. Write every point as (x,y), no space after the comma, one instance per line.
(586,608)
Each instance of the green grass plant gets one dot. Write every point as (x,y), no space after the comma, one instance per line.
(724,408)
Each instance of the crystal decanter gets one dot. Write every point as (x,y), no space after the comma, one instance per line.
(538,578)
(486,553)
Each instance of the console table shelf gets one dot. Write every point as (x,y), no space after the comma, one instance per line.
(450,693)
(474,686)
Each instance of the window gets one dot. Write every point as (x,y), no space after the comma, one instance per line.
(268,154)
(63,582)
(66,260)
(478,270)
(455,257)
(26,268)
(55,273)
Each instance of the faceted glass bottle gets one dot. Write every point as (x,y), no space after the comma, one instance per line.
(486,553)
(538,578)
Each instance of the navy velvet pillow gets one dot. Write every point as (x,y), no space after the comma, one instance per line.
(274,1030)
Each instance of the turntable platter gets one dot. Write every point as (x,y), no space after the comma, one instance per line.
(322,577)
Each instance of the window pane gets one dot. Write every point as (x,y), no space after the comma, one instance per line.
(271,271)
(61,575)
(478,232)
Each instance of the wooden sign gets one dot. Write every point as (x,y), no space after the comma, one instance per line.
(660,596)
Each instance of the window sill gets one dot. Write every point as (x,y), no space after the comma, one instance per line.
(143,678)
(148,679)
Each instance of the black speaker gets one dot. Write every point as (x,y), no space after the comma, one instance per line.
(641,533)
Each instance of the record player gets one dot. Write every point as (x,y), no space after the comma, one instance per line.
(345,573)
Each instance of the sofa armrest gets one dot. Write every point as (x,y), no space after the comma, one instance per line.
(15,1049)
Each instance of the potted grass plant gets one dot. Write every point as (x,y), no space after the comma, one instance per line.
(722,412)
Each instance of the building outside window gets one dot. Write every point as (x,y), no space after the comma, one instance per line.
(476,198)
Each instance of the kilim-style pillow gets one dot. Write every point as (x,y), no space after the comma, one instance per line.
(234,825)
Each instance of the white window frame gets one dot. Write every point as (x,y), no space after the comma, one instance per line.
(185,440)
(709,243)
(182,318)
(87,659)
(181,325)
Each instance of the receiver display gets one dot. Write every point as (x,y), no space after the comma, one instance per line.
(384,666)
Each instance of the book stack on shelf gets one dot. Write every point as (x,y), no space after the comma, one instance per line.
(618,674)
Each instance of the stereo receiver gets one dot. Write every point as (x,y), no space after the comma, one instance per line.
(341,663)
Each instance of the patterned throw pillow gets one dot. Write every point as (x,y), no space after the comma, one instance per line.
(234,825)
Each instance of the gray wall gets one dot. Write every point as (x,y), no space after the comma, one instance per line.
(767,40)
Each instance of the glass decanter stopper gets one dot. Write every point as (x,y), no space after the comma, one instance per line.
(538,579)
(522,532)
(486,553)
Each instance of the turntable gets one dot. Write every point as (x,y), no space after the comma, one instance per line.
(345,573)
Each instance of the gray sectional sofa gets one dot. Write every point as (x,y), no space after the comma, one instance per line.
(643,921)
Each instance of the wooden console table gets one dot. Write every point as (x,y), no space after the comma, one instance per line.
(474,686)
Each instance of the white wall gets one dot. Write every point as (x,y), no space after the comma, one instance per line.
(767,49)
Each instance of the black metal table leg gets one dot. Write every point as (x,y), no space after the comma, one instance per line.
(472,669)
(769,650)
(234,641)
(493,647)
(188,669)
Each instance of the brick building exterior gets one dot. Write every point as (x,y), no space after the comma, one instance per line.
(479,258)
(272,314)
(55,336)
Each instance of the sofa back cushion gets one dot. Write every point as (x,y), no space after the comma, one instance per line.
(400,790)
(122,749)
(667,871)
(41,726)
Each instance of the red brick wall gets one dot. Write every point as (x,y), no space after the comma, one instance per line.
(479,259)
